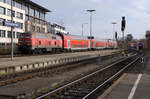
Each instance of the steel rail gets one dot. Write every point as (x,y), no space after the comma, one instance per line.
(111,78)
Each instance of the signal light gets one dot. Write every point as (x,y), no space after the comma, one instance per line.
(123,23)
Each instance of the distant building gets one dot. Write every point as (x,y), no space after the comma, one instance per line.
(28,14)
(55,28)
(148,39)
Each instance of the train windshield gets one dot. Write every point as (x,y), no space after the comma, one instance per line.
(27,35)
(22,35)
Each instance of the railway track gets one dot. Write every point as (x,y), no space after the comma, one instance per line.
(88,86)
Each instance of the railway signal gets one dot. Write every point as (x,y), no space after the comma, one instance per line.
(123,25)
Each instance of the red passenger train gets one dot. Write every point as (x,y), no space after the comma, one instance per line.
(32,42)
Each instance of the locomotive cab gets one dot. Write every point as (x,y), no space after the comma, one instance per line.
(24,42)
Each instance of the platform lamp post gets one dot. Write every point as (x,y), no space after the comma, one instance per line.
(113,23)
(83,27)
(90,11)
(12,45)
(90,20)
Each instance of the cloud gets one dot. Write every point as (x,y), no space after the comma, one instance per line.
(73,13)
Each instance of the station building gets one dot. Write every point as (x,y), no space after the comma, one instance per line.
(29,15)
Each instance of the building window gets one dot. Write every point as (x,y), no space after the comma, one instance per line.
(31,19)
(18,34)
(32,28)
(37,14)
(26,9)
(2,1)
(42,22)
(14,3)
(2,10)
(9,12)
(19,15)
(18,4)
(1,21)
(42,16)
(8,2)
(31,12)
(38,29)
(43,30)
(2,33)
(9,34)
(23,6)
(27,18)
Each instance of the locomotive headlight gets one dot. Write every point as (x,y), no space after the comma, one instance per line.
(28,42)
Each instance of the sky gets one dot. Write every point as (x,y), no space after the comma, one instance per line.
(72,14)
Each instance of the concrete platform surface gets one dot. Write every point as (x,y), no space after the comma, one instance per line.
(131,86)
(5,62)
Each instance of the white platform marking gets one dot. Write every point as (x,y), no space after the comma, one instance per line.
(134,87)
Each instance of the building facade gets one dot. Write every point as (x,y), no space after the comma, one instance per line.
(29,15)
(148,39)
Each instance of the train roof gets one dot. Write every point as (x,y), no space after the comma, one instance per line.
(48,34)
(77,37)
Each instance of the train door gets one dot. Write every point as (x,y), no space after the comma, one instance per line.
(89,44)
(93,44)
(68,44)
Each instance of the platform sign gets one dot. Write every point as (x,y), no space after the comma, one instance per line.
(9,23)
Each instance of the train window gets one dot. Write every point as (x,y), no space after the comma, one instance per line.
(39,42)
(55,43)
(53,37)
(90,37)
(21,35)
(27,35)
(49,43)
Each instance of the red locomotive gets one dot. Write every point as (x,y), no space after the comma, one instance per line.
(39,42)
(44,42)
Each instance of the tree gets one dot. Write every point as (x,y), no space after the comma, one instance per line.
(129,37)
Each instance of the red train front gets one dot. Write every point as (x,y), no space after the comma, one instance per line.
(39,42)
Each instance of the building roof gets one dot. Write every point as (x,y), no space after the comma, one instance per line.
(36,5)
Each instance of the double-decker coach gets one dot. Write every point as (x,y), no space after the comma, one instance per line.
(101,44)
(74,42)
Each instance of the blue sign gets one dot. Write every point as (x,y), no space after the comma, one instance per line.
(9,23)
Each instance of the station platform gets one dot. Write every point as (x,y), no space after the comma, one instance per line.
(131,85)
(31,62)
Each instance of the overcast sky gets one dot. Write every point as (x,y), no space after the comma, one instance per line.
(72,13)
